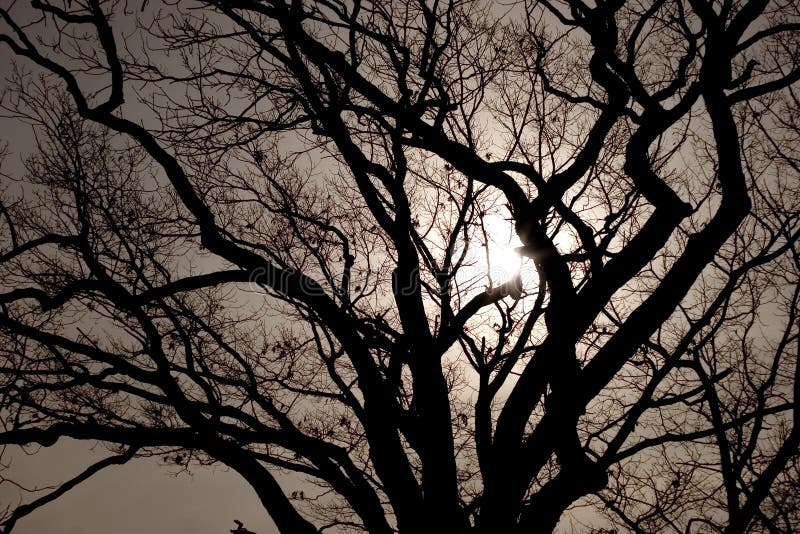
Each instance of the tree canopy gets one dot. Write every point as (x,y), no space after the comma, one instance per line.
(414,266)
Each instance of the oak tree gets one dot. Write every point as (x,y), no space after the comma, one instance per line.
(414,266)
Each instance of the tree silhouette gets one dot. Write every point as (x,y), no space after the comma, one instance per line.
(266,234)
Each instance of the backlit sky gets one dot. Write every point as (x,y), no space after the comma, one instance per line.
(140,497)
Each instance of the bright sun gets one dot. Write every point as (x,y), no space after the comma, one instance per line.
(494,259)
(501,257)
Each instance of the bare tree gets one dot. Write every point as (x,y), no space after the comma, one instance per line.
(267,234)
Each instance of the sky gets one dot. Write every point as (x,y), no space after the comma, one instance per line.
(140,497)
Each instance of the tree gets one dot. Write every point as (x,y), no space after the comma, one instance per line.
(265,234)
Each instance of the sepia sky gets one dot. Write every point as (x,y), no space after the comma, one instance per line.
(137,498)
(157,493)
(141,497)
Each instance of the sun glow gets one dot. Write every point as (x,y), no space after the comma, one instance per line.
(493,259)
(502,258)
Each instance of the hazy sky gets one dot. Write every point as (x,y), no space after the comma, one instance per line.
(138,498)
